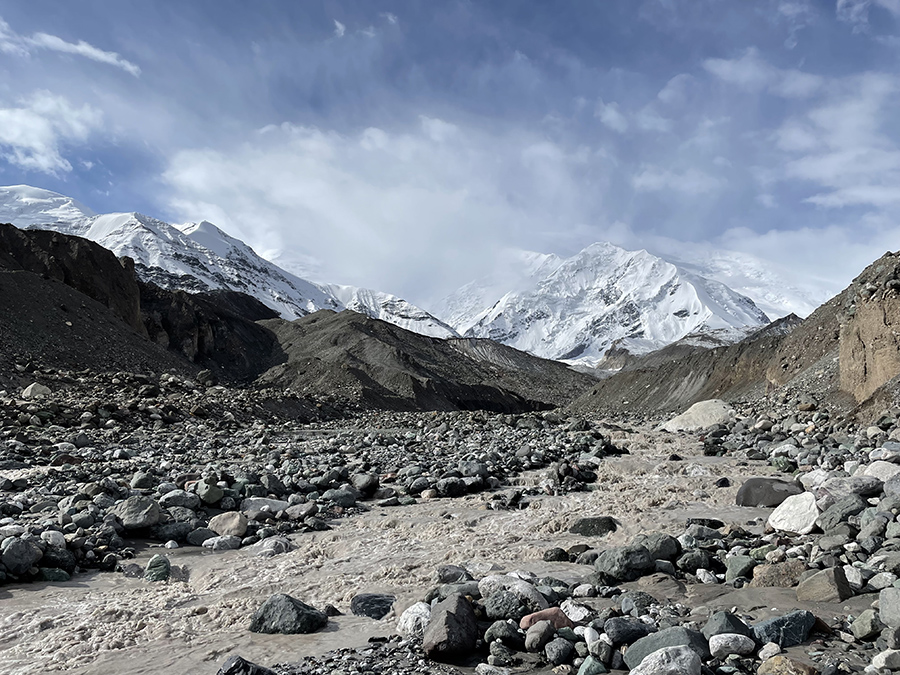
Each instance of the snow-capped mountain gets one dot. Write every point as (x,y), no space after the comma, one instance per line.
(196,257)
(575,309)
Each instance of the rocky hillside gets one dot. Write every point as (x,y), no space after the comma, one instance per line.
(844,351)
(354,357)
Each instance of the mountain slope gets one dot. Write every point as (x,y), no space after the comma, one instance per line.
(198,257)
(577,308)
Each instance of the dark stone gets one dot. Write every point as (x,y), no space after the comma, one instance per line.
(787,631)
(235,665)
(158,569)
(504,605)
(842,509)
(625,630)
(721,623)
(507,632)
(452,574)
(593,527)
(661,546)
(373,605)
(693,560)
(556,555)
(636,603)
(452,630)
(669,637)
(558,651)
(625,563)
(765,492)
(286,615)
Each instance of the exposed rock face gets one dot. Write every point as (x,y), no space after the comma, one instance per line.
(870,342)
(79,263)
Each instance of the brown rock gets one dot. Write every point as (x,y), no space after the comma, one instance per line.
(779,575)
(230,523)
(554,615)
(784,665)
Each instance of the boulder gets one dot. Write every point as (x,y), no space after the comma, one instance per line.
(677,636)
(137,512)
(373,605)
(678,660)
(452,629)
(785,631)
(797,514)
(625,563)
(701,416)
(286,615)
(229,524)
(765,492)
(828,585)
(595,526)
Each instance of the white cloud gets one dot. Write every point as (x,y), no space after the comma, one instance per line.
(610,115)
(648,119)
(417,213)
(33,133)
(339,29)
(690,181)
(856,12)
(753,74)
(82,48)
(390,18)
(20,45)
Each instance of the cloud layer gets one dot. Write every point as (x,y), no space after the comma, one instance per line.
(403,148)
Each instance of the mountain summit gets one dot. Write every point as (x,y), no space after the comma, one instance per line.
(577,308)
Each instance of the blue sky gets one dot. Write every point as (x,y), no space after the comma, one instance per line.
(401,145)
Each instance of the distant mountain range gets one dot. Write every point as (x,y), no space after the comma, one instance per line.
(199,257)
(572,309)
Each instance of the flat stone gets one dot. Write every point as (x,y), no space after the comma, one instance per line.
(778,575)
(829,585)
(785,665)
(797,514)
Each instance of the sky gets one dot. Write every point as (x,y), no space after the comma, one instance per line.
(402,145)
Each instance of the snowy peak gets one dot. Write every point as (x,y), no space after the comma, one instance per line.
(576,309)
(24,206)
(197,257)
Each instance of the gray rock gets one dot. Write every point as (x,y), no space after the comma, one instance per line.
(677,636)
(19,556)
(223,543)
(343,498)
(200,535)
(36,390)
(414,621)
(558,651)
(137,512)
(142,480)
(539,635)
(504,605)
(506,631)
(625,630)
(765,492)
(701,415)
(263,504)
(625,563)
(739,566)
(373,605)
(677,660)
(722,623)
(867,625)
(785,631)
(839,487)
(842,509)
(286,615)
(592,666)
(209,492)
(595,526)
(366,483)
(452,630)
(235,665)
(181,498)
(829,585)
(661,546)
(725,644)
(889,607)
(158,569)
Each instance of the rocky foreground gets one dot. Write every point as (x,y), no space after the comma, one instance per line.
(761,540)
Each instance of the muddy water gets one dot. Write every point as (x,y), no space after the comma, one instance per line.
(106,623)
